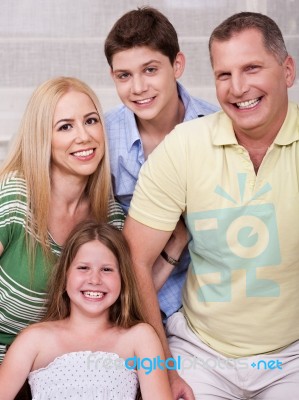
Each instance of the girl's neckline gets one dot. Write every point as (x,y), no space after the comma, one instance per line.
(69,354)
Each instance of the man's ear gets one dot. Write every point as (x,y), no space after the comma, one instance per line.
(290,71)
(179,65)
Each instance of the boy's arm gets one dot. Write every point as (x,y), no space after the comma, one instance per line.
(17,364)
(146,245)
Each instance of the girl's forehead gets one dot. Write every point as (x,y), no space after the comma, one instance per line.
(96,253)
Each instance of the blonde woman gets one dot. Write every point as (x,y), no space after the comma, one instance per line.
(56,175)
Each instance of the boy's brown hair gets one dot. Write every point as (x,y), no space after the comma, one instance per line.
(145,26)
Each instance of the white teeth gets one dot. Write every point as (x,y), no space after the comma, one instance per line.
(83,153)
(248,103)
(93,295)
(144,101)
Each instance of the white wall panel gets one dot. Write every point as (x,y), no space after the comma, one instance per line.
(40,39)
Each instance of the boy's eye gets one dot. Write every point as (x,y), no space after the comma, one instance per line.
(122,75)
(65,127)
(150,70)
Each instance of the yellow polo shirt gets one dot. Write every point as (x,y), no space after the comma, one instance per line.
(241,295)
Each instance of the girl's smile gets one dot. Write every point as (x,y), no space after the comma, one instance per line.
(93,279)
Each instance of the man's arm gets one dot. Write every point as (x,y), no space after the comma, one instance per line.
(174,248)
(146,245)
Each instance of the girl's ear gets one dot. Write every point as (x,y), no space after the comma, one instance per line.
(179,65)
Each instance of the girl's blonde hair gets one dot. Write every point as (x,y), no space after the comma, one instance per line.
(30,156)
(125,312)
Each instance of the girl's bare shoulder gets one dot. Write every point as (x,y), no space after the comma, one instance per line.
(141,331)
(40,330)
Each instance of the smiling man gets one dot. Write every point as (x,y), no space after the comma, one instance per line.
(143,52)
(233,175)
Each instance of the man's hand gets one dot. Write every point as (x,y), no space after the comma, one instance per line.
(180,388)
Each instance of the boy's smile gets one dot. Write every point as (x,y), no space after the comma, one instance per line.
(146,81)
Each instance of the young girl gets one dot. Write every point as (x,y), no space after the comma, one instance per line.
(92,327)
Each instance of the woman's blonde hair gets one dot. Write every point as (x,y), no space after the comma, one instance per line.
(125,312)
(30,156)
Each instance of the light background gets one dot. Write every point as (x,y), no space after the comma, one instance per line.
(40,39)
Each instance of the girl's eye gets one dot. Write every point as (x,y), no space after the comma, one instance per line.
(65,127)
(107,269)
(82,267)
(91,121)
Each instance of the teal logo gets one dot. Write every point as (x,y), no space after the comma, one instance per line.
(241,237)
(151,364)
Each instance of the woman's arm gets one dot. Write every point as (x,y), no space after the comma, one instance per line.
(152,371)
(17,364)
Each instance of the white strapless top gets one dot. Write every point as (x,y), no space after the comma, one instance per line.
(84,375)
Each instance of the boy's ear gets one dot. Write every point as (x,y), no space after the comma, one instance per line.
(179,65)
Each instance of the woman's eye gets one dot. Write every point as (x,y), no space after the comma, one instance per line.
(65,127)
(91,121)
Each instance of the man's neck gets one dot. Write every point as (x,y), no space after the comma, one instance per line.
(256,147)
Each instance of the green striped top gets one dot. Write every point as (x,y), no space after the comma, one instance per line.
(23,289)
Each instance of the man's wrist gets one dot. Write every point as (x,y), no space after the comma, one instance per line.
(169,259)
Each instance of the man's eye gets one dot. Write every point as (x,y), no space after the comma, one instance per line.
(223,76)
(252,68)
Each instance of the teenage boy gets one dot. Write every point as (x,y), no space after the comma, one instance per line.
(143,52)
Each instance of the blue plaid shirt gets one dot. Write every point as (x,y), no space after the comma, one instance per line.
(126,159)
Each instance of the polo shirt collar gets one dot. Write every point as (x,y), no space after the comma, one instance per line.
(289,131)
(223,134)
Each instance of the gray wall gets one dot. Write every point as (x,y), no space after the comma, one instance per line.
(40,39)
